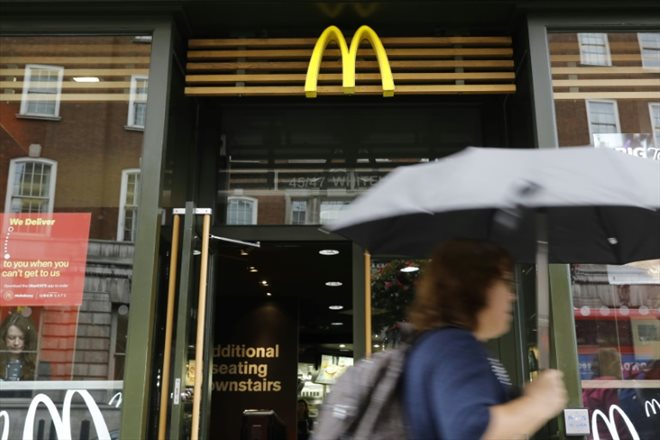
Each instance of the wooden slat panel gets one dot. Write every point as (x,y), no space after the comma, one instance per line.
(608,95)
(295,77)
(83,72)
(67,61)
(74,97)
(614,57)
(327,64)
(276,66)
(79,49)
(362,90)
(614,70)
(304,53)
(606,83)
(572,46)
(67,85)
(309,42)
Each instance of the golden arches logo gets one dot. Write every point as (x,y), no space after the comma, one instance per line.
(348,60)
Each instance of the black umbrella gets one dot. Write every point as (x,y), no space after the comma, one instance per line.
(566,205)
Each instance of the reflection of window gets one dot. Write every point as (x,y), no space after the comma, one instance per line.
(298,212)
(137,106)
(603,117)
(241,211)
(654,111)
(649,46)
(118,336)
(128,205)
(594,49)
(31,185)
(330,209)
(42,87)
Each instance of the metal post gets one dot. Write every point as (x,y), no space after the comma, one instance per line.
(169,323)
(542,292)
(201,314)
(367,303)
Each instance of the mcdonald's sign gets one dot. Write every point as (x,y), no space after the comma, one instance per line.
(348,60)
(610,423)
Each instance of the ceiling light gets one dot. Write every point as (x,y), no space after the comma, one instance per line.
(336,307)
(337,323)
(328,252)
(264,283)
(342,345)
(376,346)
(410,269)
(252,269)
(334,283)
(86,79)
(269,294)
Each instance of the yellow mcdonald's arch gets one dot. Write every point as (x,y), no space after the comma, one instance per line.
(348,59)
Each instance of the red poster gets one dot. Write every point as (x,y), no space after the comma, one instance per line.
(43,259)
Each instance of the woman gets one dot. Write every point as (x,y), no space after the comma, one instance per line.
(451,388)
(17,348)
(304,422)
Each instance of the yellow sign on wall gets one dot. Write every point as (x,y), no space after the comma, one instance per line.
(348,59)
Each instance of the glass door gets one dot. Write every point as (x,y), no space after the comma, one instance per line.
(185,332)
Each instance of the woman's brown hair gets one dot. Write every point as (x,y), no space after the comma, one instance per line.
(28,355)
(452,290)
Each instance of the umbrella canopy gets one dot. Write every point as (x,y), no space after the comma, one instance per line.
(600,206)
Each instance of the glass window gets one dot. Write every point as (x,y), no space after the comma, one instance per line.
(42,87)
(594,49)
(330,209)
(138,101)
(31,185)
(654,112)
(242,211)
(128,204)
(649,45)
(603,117)
(298,212)
(616,308)
(67,183)
(304,162)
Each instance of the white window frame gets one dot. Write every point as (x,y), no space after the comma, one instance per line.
(290,202)
(608,57)
(121,220)
(12,174)
(656,137)
(130,123)
(255,208)
(27,79)
(616,116)
(641,49)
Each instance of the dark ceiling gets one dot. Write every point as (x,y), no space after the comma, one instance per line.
(294,269)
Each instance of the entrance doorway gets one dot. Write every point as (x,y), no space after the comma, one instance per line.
(254,325)
(283,332)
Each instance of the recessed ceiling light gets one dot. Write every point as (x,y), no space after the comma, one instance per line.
(334,283)
(86,79)
(264,283)
(410,269)
(337,323)
(252,269)
(336,307)
(269,294)
(328,252)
